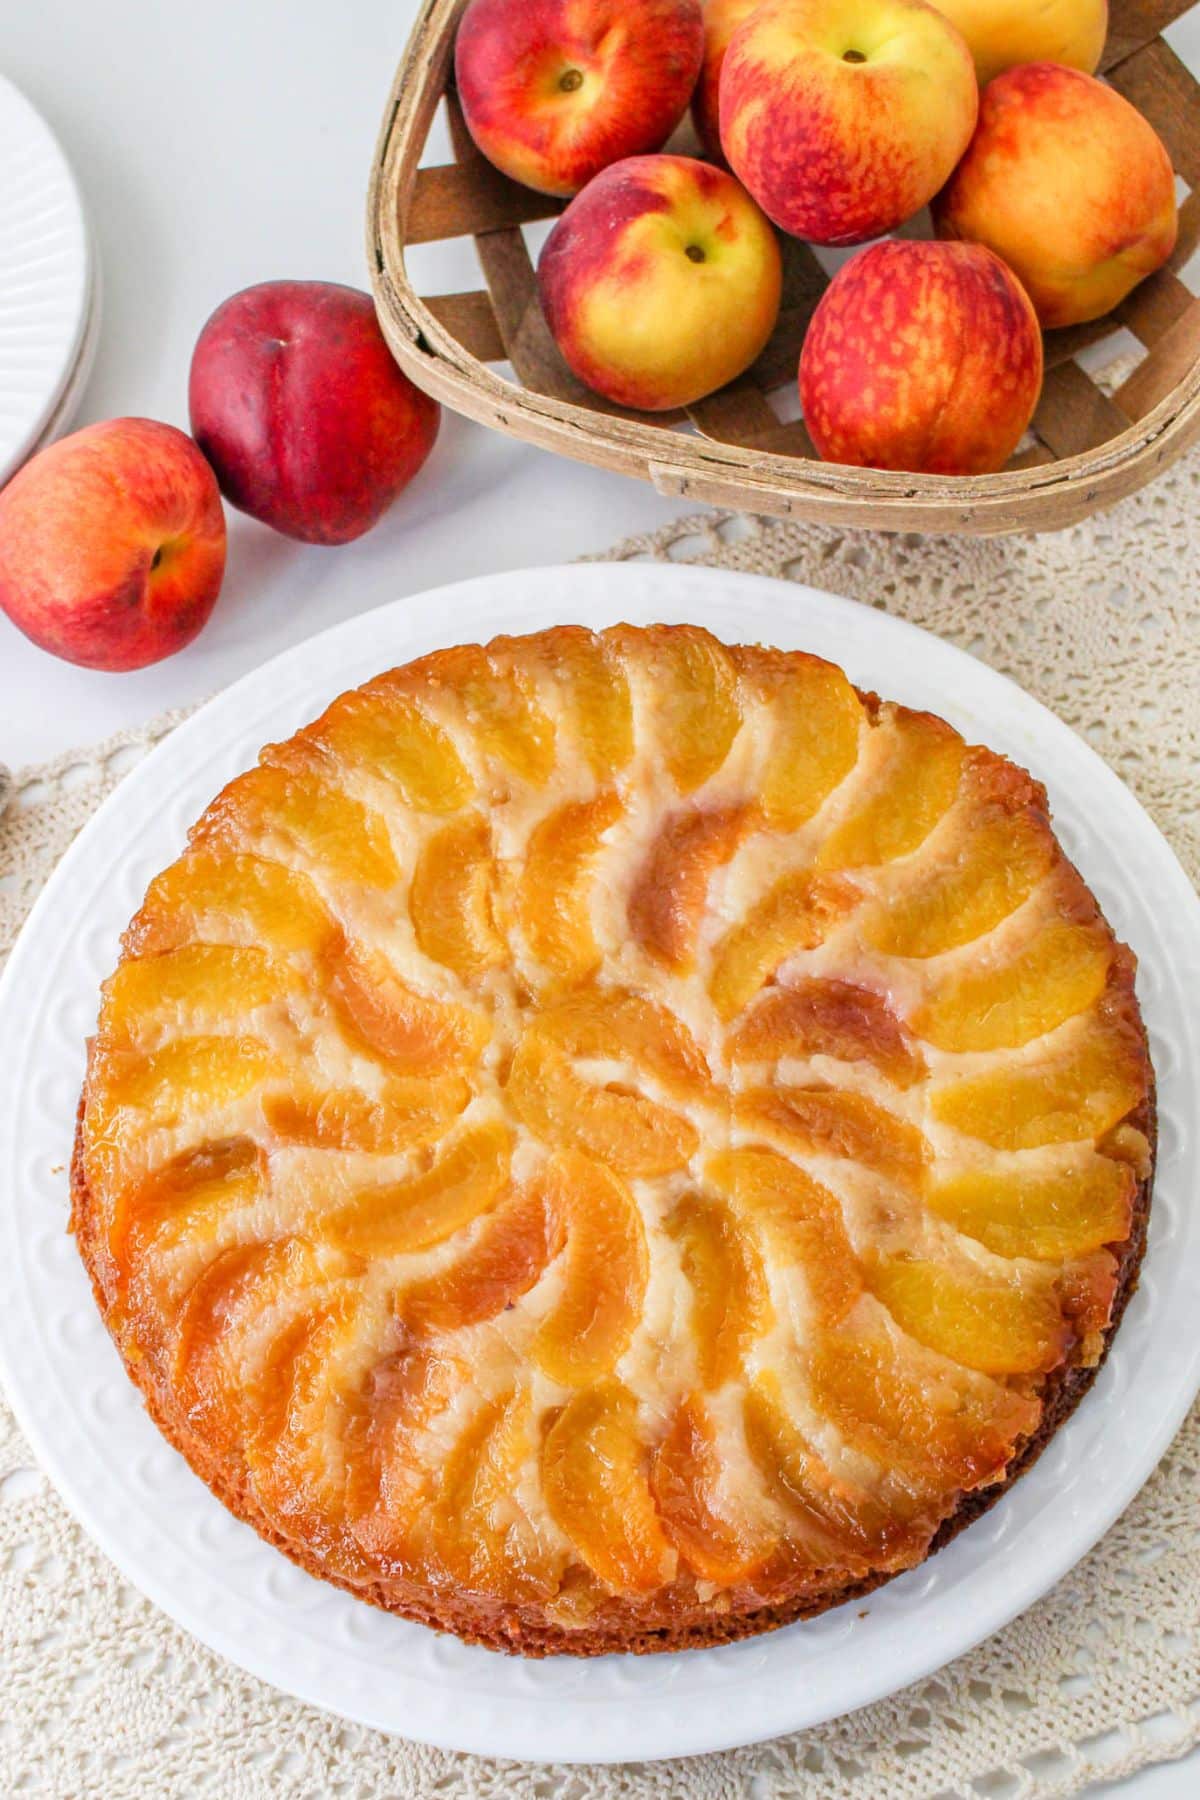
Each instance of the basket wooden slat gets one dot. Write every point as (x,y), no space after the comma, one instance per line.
(454,200)
(1134,23)
(1154,306)
(470,318)
(1155,81)
(1073,415)
(732,448)
(1176,351)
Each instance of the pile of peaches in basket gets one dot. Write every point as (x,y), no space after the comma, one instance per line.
(836,121)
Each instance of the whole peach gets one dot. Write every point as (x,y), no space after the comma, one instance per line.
(660,282)
(1002,33)
(112,544)
(553,91)
(721,20)
(843,117)
(921,356)
(297,402)
(1070,185)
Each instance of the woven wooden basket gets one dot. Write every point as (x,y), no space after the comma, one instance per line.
(731,449)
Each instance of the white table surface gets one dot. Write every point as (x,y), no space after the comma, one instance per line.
(227,143)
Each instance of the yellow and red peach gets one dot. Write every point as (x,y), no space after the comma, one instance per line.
(921,356)
(843,117)
(553,91)
(112,544)
(1002,33)
(1070,185)
(660,282)
(721,20)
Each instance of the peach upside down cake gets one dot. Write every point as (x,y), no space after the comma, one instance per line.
(615,1141)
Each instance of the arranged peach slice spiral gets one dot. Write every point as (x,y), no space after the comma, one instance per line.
(608,1140)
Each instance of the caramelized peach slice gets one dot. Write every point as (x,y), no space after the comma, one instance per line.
(478,1530)
(590,1325)
(1002,1327)
(293,1441)
(345,840)
(915,1413)
(1080,1089)
(621,1024)
(386,733)
(670,892)
(915,781)
(189,1078)
(1062,970)
(1088,1290)
(798,913)
(388,1482)
(730,1303)
(217,1302)
(839,1019)
(191,984)
(633,1135)
(594,1479)
(187,1198)
(816,717)
(513,1248)
(723,1537)
(695,700)
(413,1032)
(406,1112)
(395,1217)
(834,1122)
(224,897)
(1043,1211)
(798,1219)
(453,898)
(188,1083)
(838,1523)
(599,706)
(990,867)
(553,903)
(502,711)
(236,1289)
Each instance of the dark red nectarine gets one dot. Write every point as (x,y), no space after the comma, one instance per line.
(296,400)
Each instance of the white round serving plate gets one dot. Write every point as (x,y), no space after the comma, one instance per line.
(214,1576)
(48,298)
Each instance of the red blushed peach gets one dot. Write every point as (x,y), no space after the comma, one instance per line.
(921,356)
(660,282)
(1002,33)
(112,544)
(553,91)
(721,20)
(1070,185)
(843,117)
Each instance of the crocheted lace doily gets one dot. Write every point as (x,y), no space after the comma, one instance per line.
(102,1695)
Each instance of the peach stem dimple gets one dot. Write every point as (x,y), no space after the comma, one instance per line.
(571,80)
(694,253)
(853,56)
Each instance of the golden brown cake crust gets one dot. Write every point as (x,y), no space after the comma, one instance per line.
(618,1624)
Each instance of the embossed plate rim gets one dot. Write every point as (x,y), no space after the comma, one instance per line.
(48,274)
(173,1540)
